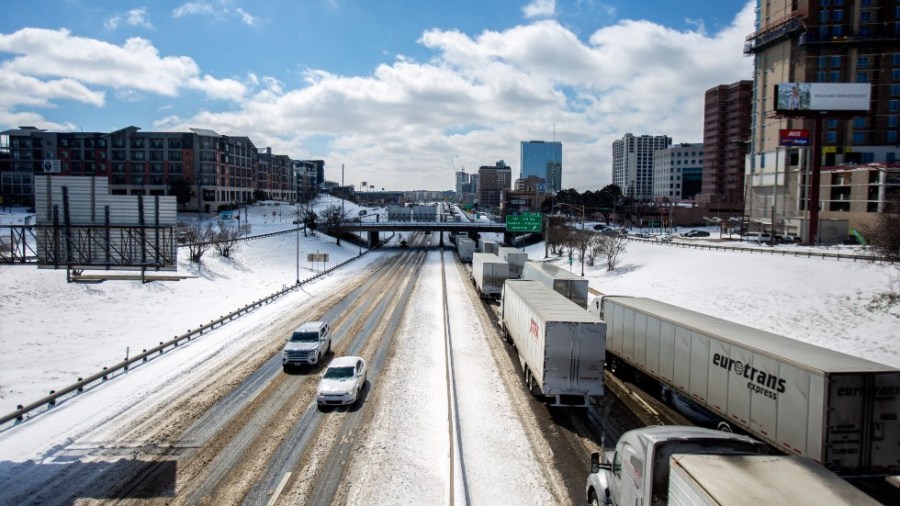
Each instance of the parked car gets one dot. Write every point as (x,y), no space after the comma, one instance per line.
(696,233)
(664,237)
(342,382)
(787,239)
(599,226)
(757,237)
(307,345)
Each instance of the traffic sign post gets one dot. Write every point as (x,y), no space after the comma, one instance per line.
(525,222)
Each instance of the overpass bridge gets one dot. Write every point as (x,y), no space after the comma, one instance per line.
(472,229)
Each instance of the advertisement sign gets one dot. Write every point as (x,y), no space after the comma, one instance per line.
(788,137)
(822,97)
(52,166)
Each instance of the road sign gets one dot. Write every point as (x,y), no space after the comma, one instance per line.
(525,222)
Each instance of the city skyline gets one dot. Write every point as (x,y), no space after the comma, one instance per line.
(393,93)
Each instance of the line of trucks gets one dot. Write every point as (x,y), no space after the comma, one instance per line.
(837,410)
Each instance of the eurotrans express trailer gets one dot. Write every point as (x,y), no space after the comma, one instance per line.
(561,346)
(839,410)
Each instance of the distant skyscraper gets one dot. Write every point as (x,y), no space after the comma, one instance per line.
(633,163)
(544,160)
(492,181)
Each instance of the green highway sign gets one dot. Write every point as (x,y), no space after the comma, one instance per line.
(525,222)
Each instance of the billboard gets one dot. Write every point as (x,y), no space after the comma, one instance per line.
(822,97)
(795,137)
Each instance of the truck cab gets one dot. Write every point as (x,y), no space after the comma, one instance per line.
(307,344)
(637,472)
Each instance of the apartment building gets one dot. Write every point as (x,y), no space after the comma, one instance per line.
(214,169)
(632,162)
(726,130)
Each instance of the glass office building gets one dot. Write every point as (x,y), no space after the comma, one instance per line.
(542,159)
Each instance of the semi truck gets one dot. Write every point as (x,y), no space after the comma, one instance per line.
(489,272)
(839,410)
(561,347)
(516,259)
(572,286)
(465,248)
(695,466)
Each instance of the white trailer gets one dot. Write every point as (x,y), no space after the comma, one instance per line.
(465,247)
(486,246)
(516,259)
(489,272)
(570,285)
(738,480)
(839,410)
(561,346)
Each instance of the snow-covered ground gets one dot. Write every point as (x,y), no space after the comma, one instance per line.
(52,332)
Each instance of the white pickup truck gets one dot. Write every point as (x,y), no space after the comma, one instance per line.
(690,465)
(307,345)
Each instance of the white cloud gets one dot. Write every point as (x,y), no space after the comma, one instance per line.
(218,10)
(247,18)
(134,17)
(193,8)
(540,9)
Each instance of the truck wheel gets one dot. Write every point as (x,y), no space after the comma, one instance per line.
(327,351)
(724,427)
(593,499)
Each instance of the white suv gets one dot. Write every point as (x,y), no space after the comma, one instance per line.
(758,237)
(307,345)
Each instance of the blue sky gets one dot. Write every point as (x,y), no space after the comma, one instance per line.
(400,92)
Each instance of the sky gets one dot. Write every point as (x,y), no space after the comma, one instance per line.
(53,332)
(401,93)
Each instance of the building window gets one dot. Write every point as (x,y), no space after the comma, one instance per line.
(893,121)
(865,16)
(831,123)
(859,138)
(836,61)
(834,76)
(823,16)
(831,137)
(820,76)
(862,77)
(895,90)
(863,62)
(892,137)
(823,3)
(838,3)
(894,105)
(859,122)
(838,16)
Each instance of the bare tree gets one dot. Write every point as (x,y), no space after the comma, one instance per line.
(333,217)
(225,239)
(198,236)
(556,238)
(578,243)
(884,235)
(611,247)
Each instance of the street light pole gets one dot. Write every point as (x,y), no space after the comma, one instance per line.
(298,247)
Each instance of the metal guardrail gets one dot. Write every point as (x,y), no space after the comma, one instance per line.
(121,367)
(770,251)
